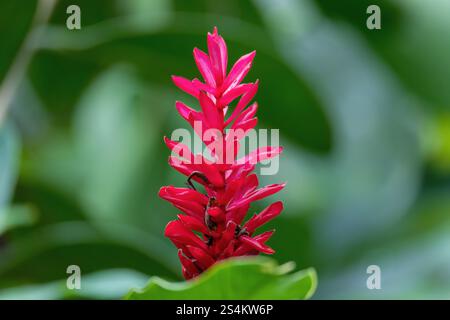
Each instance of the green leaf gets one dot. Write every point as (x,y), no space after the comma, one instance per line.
(241,278)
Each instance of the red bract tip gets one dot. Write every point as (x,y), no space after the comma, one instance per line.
(210,226)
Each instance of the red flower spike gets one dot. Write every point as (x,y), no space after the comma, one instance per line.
(210,227)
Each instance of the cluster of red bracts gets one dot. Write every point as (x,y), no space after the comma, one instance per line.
(211,228)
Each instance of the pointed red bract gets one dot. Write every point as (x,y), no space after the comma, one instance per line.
(267,214)
(211,226)
(186,85)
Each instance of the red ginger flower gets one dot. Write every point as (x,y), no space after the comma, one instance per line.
(211,227)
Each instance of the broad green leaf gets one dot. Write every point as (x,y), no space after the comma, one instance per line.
(241,278)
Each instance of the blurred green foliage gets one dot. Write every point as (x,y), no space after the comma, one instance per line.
(363,116)
(15,22)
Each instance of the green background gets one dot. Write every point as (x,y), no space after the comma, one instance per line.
(363,115)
